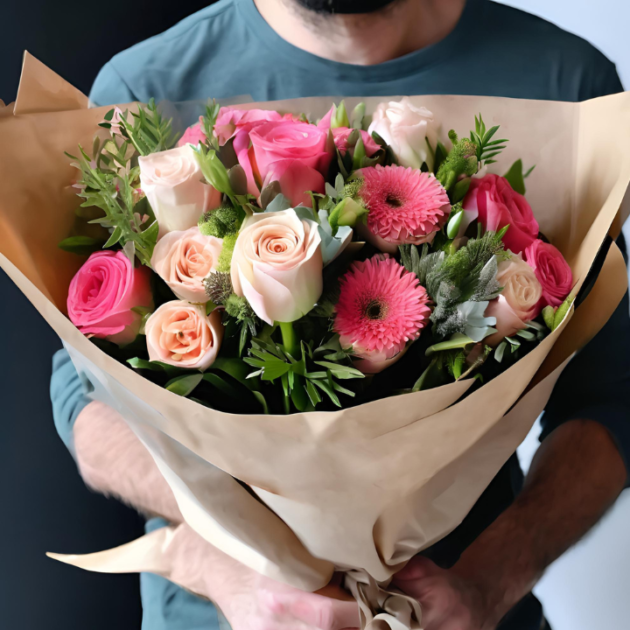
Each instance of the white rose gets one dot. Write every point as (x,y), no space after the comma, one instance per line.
(184,259)
(406,128)
(277,265)
(175,188)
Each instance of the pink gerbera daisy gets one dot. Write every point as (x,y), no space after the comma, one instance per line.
(405,205)
(381,308)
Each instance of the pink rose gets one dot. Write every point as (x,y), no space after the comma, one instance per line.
(102,294)
(495,204)
(552,271)
(181,334)
(184,259)
(521,287)
(340,135)
(278,146)
(193,135)
(232,120)
(508,322)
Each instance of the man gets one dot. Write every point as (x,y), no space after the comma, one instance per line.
(480,577)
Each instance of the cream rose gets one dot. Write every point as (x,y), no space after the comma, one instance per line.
(406,128)
(519,302)
(277,265)
(181,334)
(175,188)
(184,259)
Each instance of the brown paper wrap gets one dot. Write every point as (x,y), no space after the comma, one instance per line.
(361,489)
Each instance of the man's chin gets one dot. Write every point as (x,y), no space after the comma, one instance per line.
(344,6)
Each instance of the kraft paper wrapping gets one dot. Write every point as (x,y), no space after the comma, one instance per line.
(362,489)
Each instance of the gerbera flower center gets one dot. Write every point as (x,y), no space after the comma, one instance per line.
(393,201)
(375,309)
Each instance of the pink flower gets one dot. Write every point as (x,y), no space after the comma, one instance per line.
(381,309)
(184,259)
(232,120)
(193,135)
(405,206)
(340,135)
(521,288)
(102,294)
(552,271)
(278,146)
(181,334)
(495,204)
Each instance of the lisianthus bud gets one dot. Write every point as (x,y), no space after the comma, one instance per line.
(346,212)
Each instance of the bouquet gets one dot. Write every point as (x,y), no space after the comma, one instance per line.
(268,263)
(386,284)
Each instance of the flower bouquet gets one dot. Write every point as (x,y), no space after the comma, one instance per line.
(389,286)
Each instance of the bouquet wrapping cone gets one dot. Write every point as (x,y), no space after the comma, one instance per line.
(362,489)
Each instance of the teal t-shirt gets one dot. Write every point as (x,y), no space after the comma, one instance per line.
(228,50)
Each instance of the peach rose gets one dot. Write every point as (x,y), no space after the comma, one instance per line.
(184,259)
(519,301)
(181,334)
(175,188)
(277,265)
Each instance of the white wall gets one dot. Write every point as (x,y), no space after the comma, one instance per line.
(589,587)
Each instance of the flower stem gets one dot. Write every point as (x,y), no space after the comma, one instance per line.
(289,339)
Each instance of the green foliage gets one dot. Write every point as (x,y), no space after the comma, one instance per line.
(113,190)
(461,161)
(306,379)
(487,148)
(220,222)
(225,258)
(147,130)
(208,121)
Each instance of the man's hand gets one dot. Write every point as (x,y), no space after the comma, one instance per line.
(449,602)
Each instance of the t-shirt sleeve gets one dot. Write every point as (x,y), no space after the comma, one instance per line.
(110,88)
(607,81)
(68,397)
(596,383)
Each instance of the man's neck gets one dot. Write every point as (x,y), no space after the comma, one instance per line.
(364,39)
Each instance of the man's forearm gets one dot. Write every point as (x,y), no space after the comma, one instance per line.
(574,478)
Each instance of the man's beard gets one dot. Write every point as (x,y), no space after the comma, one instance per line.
(344,6)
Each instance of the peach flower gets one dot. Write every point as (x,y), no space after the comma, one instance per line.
(184,259)
(277,265)
(181,334)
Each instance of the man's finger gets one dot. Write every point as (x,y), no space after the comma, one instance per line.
(323,613)
(417,568)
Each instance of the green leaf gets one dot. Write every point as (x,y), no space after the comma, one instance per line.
(327,389)
(184,385)
(525,334)
(236,368)
(529,172)
(142,364)
(515,177)
(81,245)
(500,351)
(273,369)
(222,385)
(341,371)
(261,399)
(458,340)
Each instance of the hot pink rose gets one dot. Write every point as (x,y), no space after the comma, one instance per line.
(340,135)
(495,204)
(232,120)
(552,271)
(102,294)
(193,135)
(282,145)
(180,333)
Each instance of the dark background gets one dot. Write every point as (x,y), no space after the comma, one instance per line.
(45,506)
